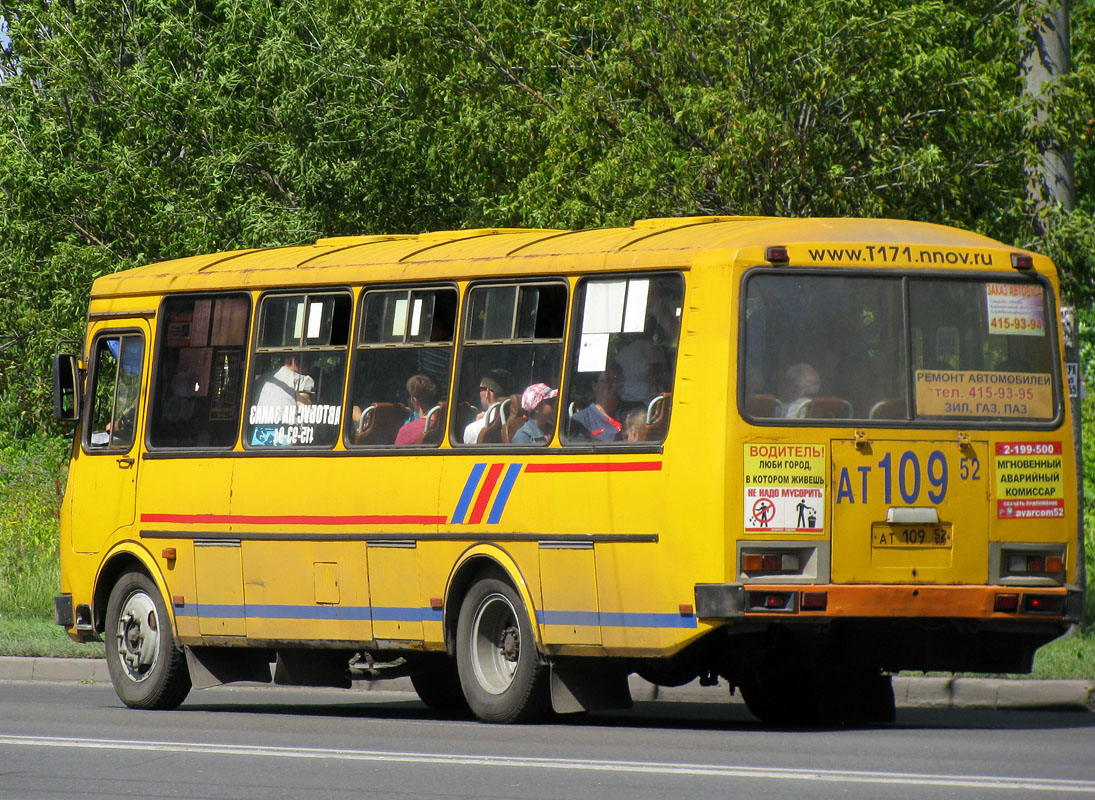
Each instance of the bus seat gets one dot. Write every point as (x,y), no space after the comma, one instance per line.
(762,405)
(513,417)
(435,425)
(890,408)
(465,415)
(491,432)
(826,408)
(657,417)
(380,422)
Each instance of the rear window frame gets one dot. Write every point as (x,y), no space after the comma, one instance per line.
(1052,312)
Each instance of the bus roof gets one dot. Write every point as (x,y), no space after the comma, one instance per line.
(678,242)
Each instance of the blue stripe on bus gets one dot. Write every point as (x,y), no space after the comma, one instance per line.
(468,493)
(336,613)
(503,494)
(615,619)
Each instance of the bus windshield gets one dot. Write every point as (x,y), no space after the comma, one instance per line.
(913,348)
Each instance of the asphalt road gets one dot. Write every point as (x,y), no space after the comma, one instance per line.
(62,739)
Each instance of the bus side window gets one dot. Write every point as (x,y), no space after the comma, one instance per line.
(402,365)
(512,342)
(625,352)
(198,387)
(298,370)
(115,392)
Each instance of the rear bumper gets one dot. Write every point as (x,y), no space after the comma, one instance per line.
(877,601)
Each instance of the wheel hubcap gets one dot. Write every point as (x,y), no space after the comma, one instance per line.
(496,643)
(138,636)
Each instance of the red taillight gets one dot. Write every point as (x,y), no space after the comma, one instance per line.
(771,563)
(1035,564)
(1006,603)
(1022,261)
(777,254)
(771,601)
(814,601)
(1043,603)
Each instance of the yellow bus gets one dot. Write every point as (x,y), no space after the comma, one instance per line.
(519,466)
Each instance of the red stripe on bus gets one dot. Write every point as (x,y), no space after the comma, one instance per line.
(623,466)
(484,494)
(250,519)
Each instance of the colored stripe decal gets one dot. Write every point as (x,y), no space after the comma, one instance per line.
(615,619)
(278,519)
(467,494)
(332,613)
(426,614)
(503,494)
(485,493)
(620,466)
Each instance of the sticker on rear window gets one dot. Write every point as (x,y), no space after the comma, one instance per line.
(1015,309)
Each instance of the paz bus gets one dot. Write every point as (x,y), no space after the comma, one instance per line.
(518,466)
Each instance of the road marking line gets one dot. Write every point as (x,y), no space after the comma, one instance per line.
(579,765)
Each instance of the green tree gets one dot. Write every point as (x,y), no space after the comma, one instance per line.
(133,132)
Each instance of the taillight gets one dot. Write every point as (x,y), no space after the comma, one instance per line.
(771,601)
(771,562)
(813,601)
(1035,564)
(1006,603)
(1043,604)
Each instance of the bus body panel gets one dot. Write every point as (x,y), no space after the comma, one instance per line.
(615,552)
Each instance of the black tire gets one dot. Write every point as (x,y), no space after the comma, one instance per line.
(780,698)
(439,688)
(496,656)
(845,697)
(147,669)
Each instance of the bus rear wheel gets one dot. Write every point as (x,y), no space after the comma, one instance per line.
(499,668)
(439,688)
(147,669)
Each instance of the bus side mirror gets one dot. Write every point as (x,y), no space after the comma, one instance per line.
(66,388)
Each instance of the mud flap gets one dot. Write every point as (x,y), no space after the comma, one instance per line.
(588,687)
(212,666)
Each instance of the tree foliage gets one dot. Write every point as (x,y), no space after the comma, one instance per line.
(137,131)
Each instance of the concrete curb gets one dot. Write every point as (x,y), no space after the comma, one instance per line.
(998,693)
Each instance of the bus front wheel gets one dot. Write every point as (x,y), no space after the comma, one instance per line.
(499,668)
(147,669)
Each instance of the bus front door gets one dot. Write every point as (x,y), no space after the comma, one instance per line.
(104,473)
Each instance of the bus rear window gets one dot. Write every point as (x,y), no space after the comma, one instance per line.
(835,347)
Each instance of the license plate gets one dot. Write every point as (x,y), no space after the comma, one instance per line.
(885,534)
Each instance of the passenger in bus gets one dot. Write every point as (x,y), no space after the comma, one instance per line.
(493,387)
(538,401)
(645,360)
(635,425)
(423,396)
(802,383)
(597,421)
(288,386)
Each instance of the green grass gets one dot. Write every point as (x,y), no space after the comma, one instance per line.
(1071,656)
(35,636)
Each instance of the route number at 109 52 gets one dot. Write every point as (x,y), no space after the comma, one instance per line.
(903,476)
